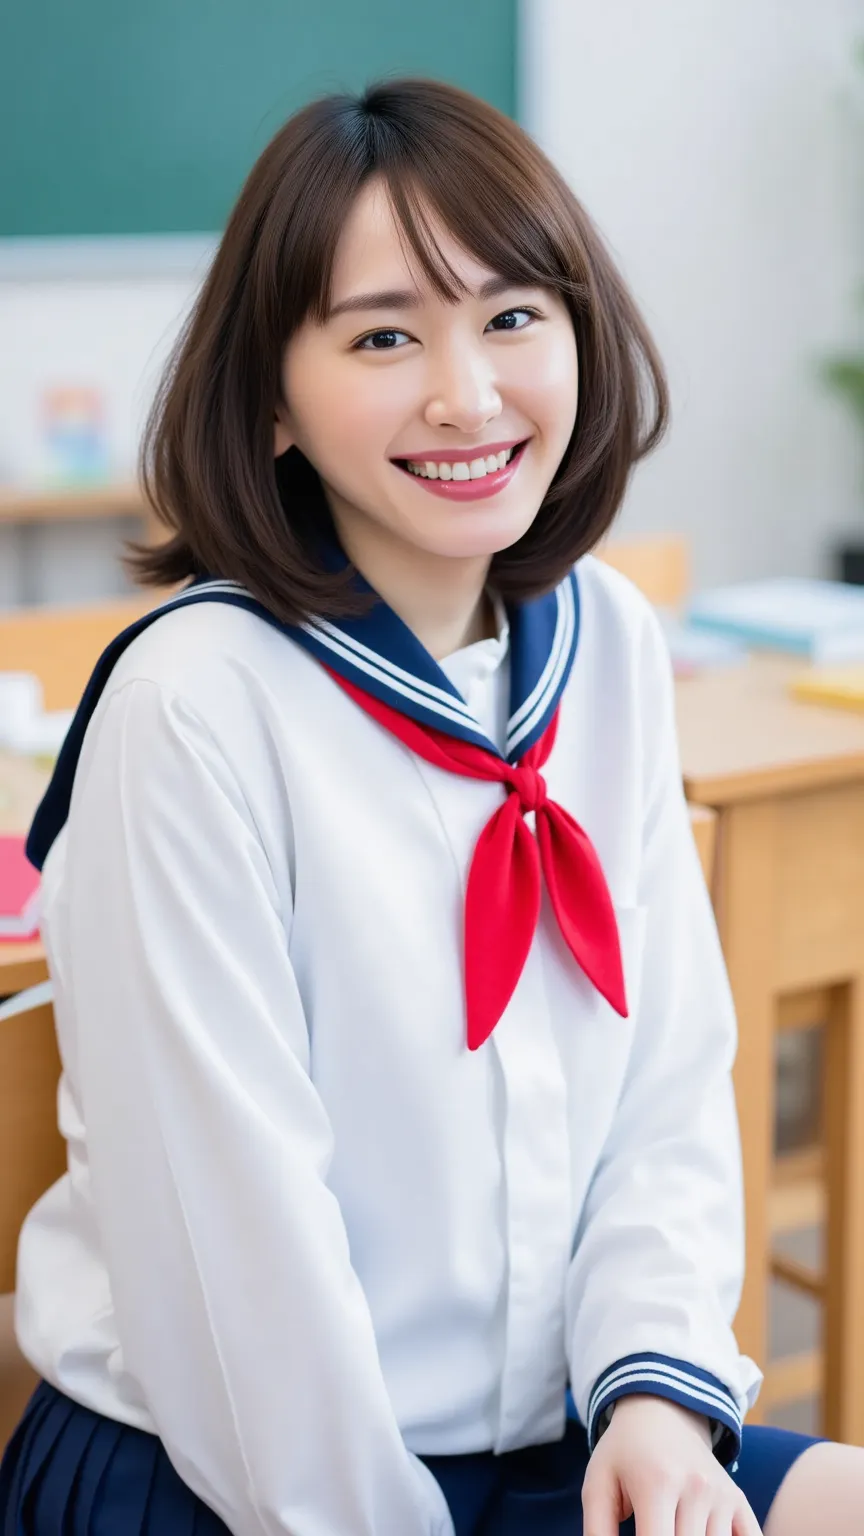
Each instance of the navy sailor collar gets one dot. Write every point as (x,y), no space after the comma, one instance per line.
(378,653)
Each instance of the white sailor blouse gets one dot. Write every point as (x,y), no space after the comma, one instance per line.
(331,1205)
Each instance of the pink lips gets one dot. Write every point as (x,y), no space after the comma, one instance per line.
(469,490)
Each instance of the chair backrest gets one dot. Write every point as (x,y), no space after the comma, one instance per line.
(659,567)
(32,1151)
(62,645)
(704,824)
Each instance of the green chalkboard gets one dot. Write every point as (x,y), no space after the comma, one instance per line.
(143,116)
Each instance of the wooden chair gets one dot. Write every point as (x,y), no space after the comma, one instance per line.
(62,645)
(818,1186)
(32,1157)
(659,567)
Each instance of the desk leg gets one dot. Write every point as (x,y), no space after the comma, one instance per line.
(843,1396)
(746,914)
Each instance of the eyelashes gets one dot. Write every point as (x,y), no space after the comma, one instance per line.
(360,345)
(392,332)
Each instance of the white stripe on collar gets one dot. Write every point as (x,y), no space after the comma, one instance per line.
(447,705)
(364,659)
(386,671)
(530,711)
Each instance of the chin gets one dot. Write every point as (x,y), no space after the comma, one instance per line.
(467,532)
(475,544)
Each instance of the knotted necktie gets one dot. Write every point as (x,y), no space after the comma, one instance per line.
(502,900)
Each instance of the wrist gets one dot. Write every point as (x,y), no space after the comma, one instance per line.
(639,1406)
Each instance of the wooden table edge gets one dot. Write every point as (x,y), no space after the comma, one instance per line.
(720,789)
(21,965)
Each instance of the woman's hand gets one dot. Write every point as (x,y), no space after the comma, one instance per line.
(655,1461)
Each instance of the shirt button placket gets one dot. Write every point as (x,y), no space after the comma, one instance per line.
(536,1158)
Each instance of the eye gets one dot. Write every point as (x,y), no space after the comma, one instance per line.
(508,320)
(380,341)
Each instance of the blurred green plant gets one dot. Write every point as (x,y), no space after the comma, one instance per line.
(845,375)
(844,372)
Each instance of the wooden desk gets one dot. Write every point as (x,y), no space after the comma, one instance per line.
(787,782)
(22,784)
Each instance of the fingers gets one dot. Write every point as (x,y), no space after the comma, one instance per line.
(691,1511)
(720,1523)
(655,1505)
(744,1522)
(662,1509)
(736,1519)
(696,1517)
(601,1504)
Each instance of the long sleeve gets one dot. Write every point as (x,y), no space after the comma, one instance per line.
(655,1278)
(241,1321)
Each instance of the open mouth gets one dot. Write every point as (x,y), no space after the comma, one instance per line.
(461,469)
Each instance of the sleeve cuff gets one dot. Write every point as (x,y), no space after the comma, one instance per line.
(687,1385)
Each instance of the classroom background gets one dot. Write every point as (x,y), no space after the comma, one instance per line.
(720,148)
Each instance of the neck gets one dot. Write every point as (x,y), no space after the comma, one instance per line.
(443,601)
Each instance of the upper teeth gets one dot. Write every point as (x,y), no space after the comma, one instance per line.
(461,469)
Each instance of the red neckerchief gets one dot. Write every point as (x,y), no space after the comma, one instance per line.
(502,900)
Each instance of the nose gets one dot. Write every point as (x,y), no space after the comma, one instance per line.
(463,391)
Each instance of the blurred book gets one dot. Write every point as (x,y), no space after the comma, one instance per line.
(26,727)
(19,891)
(40,737)
(841,686)
(820,620)
(74,436)
(697,650)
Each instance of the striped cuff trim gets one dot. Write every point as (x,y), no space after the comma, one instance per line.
(687,1385)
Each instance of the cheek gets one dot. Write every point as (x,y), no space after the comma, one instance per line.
(346,416)
(543,380)
(556,380)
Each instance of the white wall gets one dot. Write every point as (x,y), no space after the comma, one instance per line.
(716,145)
(92,314)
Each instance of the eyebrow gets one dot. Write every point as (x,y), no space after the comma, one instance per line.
(408,298)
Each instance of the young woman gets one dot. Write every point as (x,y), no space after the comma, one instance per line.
(395,1031)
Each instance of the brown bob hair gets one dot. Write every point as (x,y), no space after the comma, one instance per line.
(208,467)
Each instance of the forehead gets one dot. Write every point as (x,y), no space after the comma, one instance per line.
(373,252)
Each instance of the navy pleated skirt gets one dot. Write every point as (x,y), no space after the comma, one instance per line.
(67,1470)
(70,1472)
